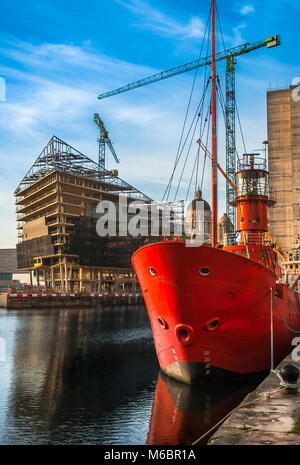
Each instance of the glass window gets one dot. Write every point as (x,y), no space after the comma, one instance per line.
(252,183)
(5,276)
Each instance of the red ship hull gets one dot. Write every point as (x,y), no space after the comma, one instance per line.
(210,311)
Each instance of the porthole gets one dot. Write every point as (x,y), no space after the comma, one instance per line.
(162,322)
(204,271)
(212,324)
(185,334)
(152,271)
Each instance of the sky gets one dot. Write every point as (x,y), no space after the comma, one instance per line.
(58,56)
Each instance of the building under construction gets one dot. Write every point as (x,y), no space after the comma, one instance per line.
(283,108)
(56,221)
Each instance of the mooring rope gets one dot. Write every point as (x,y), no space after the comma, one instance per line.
(283,320)
(296,311)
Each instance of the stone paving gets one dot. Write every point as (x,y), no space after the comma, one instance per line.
(273,419)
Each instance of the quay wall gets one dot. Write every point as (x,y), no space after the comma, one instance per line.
(21,301)
(268,415)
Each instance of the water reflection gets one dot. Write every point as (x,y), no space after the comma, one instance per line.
(90,377)
(77,376)
(182,413)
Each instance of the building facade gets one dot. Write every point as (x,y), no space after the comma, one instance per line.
(283,110)
(58,241)
(9,274)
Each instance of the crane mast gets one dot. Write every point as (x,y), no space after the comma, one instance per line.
(230,138)
(230,112)
(103,141)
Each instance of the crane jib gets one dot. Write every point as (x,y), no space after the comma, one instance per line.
(271,41)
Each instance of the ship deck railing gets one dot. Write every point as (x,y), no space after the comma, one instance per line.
(238,238)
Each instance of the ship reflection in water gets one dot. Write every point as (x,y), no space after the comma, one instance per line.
(182,413)
(90,377)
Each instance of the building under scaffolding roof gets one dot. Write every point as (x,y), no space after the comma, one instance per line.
(60,156)
(56,203)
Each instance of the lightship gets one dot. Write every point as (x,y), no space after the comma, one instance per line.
(211,307)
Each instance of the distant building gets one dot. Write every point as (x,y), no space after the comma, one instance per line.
(283,111)
(194,222)
(225,230)
(292,267)
(8,268)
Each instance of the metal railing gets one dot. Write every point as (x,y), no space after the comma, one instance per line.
(242,238)
(251,161)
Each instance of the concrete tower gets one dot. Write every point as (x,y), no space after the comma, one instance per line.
(283,108)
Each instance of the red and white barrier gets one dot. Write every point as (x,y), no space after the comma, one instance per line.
(75,295)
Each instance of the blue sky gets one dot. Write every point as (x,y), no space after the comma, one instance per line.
(56,57)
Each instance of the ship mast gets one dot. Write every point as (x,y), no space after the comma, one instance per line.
(214,129)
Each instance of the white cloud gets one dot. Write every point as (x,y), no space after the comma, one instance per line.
(162,24)
(66,57)
(53,89)
(247,9)
(56,93)
(138,115)
(49,91)
(238,37)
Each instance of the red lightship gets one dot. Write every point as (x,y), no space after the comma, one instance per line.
(210,307)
